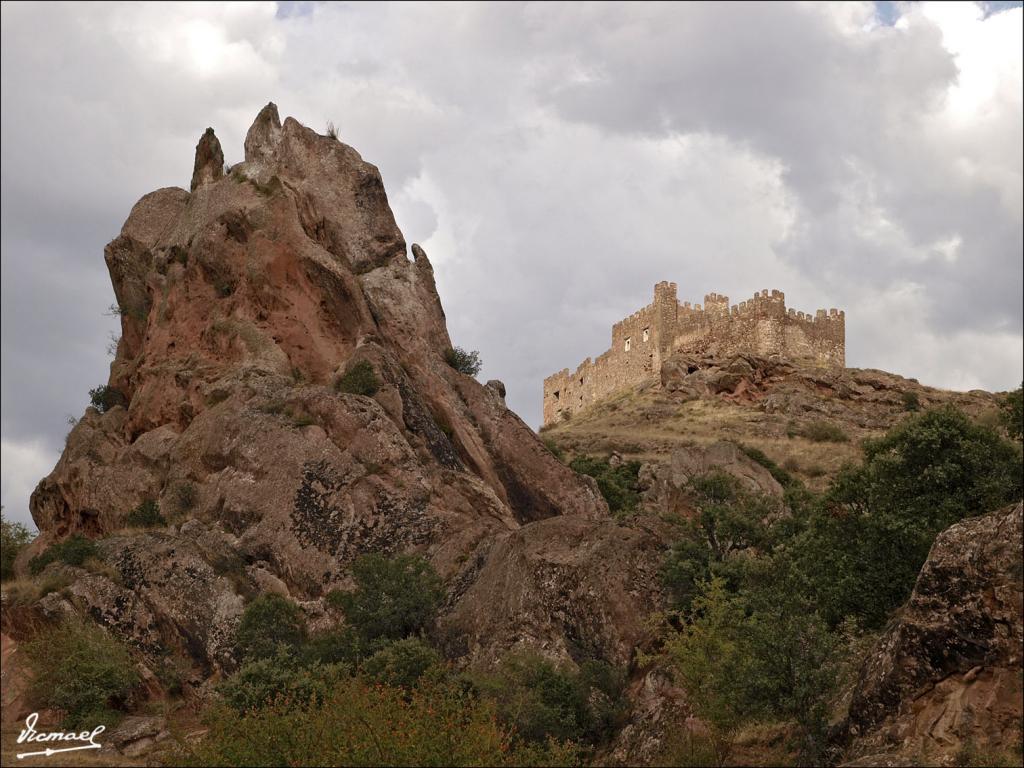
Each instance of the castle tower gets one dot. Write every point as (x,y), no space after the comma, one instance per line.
(666,313)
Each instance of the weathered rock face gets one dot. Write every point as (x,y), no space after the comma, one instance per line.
(947,671)
(242,304)
(665,485)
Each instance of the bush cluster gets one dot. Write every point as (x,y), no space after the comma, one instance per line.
(619,484)
(146,515)
(767,596)
(74,550)
(824,432)
(81,671)
(359,379)
(14,537)
(462,361)
(105,397)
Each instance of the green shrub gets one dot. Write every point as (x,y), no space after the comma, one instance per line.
(105,397)
(393,599)
(863,548)
(911,401)
(824,432)
(1013,412)
(544,701)
(360,724)
(743,660)
(554,448)
(146,515)
(782,476)
(619,485)
(269,623)
(359,379)
(74,550)
(14,537)
(462,361)
(341,645)
(82,671)
(278,678)
(401,663)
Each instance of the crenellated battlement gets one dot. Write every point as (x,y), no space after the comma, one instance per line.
(761,325)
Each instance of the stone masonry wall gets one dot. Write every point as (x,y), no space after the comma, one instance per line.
(761,325)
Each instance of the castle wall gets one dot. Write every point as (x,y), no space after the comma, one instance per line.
(761,325)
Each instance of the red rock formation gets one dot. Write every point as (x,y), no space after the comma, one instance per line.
(242,304)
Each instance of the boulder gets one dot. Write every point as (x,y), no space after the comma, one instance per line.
(946,673)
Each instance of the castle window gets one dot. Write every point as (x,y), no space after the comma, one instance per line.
(556,394)
(629,342)
(647,334)
(581,381)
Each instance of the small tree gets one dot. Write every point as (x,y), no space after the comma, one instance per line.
(13,538)
(462,361)
(394,598)
(270,623)
(80,670)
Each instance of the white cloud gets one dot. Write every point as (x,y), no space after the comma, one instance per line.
(24,464)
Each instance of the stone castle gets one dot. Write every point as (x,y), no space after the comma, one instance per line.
(761,326)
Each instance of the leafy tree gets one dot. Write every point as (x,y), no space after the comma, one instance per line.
(619,485)
(13,538)
(757,654)
(711,664)
(394,598)
(730,521)
(911,401)
(863,548)
(80,670)
(270,623)
(462,361)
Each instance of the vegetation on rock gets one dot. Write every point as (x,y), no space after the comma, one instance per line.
(13,538)
(359,379)
(462,361)
(105,397)
(81,671)
(618,484)
(74,550)
(394,598)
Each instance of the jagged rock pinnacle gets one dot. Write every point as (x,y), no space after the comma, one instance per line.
(264,135)
(209,160)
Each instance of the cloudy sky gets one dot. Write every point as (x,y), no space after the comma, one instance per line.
(555,161)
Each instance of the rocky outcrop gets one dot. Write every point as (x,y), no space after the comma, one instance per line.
(666,484)
(947,671)
(243,303)
(868,398)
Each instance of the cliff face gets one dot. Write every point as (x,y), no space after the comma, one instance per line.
(242,303)
(946,674)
